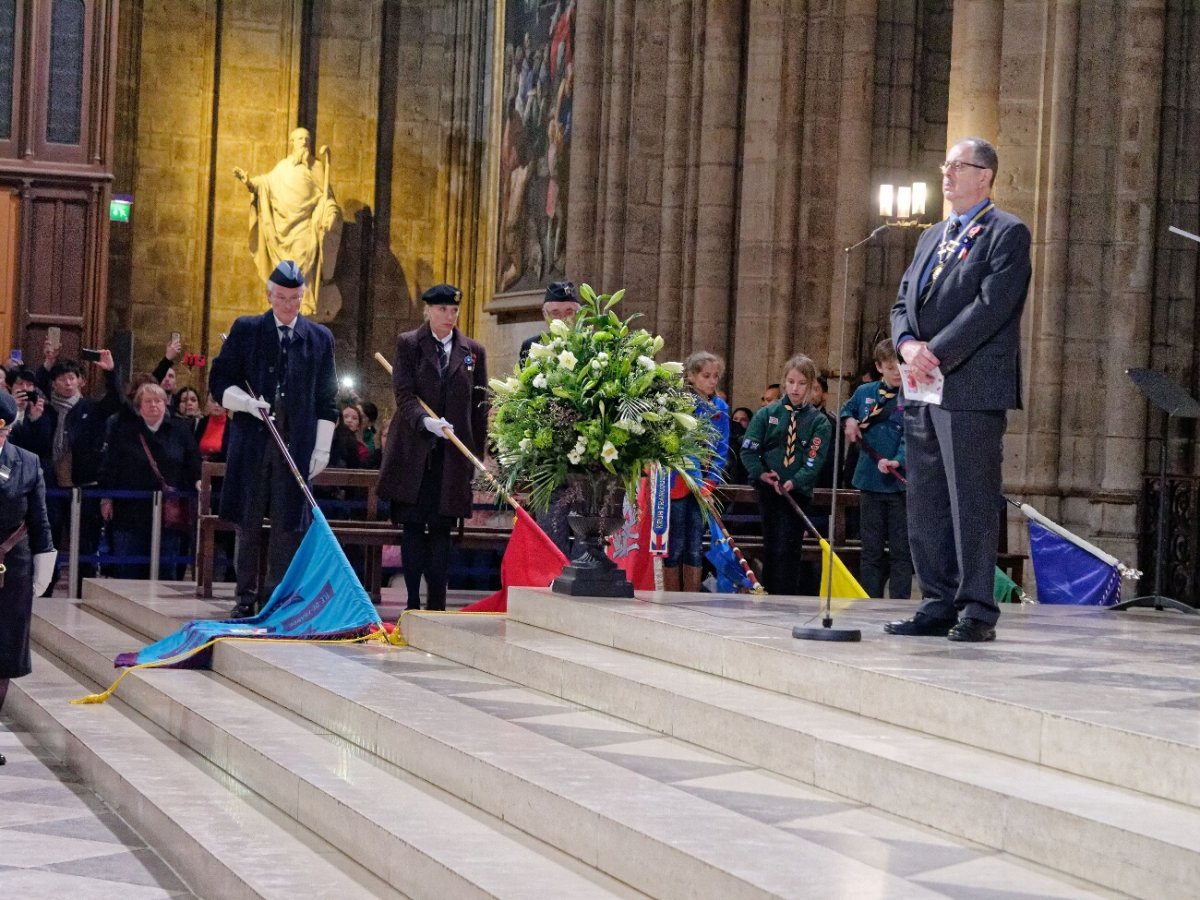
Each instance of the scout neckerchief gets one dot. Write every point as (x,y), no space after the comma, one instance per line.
(952,236)
(886,396)
(789,452)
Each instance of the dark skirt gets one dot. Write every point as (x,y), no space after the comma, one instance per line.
(16,612)
(429,498)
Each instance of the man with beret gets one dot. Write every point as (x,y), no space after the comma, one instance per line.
(278,364)
(428,482)
(561,303)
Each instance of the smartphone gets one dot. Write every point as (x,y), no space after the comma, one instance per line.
(31,396)
(89,355)
(174,336)
(17,355)
(54,336)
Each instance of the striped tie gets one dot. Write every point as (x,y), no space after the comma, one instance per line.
(789,453)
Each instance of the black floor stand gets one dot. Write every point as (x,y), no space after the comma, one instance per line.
(1174,401)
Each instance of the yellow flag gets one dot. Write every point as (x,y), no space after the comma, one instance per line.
(845,586)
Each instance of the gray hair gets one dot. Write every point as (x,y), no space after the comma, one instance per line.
(983,153)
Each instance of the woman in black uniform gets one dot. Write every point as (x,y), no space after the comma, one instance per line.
(26,548)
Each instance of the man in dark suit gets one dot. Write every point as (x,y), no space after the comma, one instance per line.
(428,482)
(959,311)
(561,303)
(278,364)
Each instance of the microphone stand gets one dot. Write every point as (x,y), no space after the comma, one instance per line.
(827,632)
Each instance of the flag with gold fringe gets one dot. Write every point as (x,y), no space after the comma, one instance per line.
(319,599)
(530,560)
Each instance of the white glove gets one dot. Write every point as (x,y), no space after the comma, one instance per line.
(436,426)
(43,571)
(238,400)
(320,454)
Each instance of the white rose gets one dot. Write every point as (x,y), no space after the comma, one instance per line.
(525,444)
(574,457)
(567,360)
(539,381)
(647,363)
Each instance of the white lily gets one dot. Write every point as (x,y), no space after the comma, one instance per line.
(675,368)
(559,328)
(567,359)
(609,452)
(647,363)
(687,421)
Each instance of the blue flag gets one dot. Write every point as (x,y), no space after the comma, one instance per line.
(1069,574)
(731,577)
(319,598)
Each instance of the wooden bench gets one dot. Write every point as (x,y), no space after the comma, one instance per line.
(489,529)
(483,531)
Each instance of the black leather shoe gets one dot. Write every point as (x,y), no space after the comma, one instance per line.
(920,625)
(972,631)
(3,761)
(244,610)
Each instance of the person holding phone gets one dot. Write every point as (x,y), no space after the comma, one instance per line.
(69,438)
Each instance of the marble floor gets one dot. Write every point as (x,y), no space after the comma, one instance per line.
(59,840)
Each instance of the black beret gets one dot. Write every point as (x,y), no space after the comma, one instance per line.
(560,291)
(287,274)
(442,295)
(8,410)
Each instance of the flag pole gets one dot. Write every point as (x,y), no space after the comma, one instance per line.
(284,450)
(454,439)
(755,586)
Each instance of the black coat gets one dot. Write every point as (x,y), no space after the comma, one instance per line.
(461,399)
(125,466)
(250,355)
(22,499)
(87,422)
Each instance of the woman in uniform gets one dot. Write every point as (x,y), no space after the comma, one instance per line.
(26,548)
(429,482)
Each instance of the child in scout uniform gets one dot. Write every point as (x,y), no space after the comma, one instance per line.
(783,452)
(874,418)
(685,541)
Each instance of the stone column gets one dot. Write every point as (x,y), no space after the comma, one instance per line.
(975,61)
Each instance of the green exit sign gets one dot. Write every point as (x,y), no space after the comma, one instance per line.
(118,208)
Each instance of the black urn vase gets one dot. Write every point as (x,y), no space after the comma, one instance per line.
(595,516)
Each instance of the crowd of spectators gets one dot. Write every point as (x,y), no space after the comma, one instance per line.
(148,434)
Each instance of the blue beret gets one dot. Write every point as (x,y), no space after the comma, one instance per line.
(8,410)
(560,291)
(287,274)
(442,295)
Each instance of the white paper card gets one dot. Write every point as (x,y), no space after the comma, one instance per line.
(924,390)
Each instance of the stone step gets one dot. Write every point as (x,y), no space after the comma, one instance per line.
(659,837)
(421,841)
(1131,842)
(931,687)
(220,840)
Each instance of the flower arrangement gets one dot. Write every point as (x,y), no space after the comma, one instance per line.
(591,398)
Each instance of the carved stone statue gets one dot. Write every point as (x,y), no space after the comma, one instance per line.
(294,216)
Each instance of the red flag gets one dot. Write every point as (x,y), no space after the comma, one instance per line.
(630,548)
(530,560)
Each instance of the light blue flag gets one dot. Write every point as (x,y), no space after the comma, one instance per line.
(319,598)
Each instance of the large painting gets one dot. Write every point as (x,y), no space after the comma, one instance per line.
(535,144)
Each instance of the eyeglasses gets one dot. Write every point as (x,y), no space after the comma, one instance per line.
(957,166)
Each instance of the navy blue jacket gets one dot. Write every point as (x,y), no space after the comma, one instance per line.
(249,357)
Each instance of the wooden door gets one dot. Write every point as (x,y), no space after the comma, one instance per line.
(10,242)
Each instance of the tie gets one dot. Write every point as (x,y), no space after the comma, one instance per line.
(443,357)
(945,248)
(285,340)
(789,453)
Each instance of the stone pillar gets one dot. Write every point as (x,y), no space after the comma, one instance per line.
(975,67)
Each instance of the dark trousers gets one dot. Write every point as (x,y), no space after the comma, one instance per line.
(884,522)
(425,550)
(954,499)
(274,478)
(425,543)
(784,572)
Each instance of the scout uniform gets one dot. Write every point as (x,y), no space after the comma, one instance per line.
(791,441)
